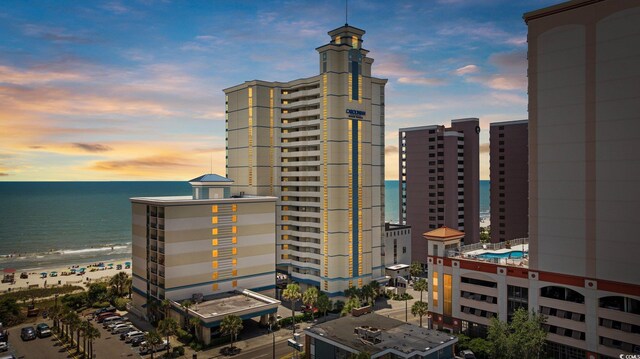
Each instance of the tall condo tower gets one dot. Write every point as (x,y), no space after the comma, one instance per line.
(317,144)
(440,181)
(509,173)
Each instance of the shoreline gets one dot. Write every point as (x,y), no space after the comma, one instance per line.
(35,280)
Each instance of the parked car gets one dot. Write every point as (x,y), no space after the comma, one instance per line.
(130,335)
(43,330)
(103,316)
(146,349)
(467,354)
(27,333)
(4,346)
(135,341)
(121,328)
(107,321)
(110,309)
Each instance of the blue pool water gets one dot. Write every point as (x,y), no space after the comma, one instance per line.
(512,254)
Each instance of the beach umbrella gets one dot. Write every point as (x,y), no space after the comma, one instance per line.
(101,265)
(54,272)
(44,274)
(9,270)
(127,263)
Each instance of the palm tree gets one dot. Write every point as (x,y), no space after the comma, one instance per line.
(118,282)
(324,304)
(368,293)
(419,309)
(352,292)
(231,325)
(84,328)
(152,338)
(168,327)
(193,323)
(351,304)
(186,304)
(310,298)
(415,270)
(128,286)
(55,313)
(71,320)
(91,334)
(292,294)
(421,285)
(166,305)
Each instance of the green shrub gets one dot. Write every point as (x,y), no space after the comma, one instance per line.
(100,304)
(196,346)
(178,351)
(184,336)
(120,303)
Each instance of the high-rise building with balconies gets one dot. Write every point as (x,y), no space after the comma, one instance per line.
(317,144)
(439,173)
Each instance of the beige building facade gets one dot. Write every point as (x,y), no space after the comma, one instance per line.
(197,247)
(317,144)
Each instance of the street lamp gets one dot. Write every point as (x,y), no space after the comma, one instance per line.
(273,333)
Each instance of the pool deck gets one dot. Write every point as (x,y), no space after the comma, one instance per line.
(519,262)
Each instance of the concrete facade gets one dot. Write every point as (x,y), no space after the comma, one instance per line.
(440,181)
(199,246)
(397,244)
(509,173)
(317,144)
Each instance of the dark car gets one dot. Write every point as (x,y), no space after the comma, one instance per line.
(136,341)
(43,330)
(110,309)
(27,333)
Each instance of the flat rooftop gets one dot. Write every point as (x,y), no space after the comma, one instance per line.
(180,200)
(394,335)
(240,303)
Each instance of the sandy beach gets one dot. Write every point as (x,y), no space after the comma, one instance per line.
(92,273)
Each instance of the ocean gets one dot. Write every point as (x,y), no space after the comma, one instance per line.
(48,224)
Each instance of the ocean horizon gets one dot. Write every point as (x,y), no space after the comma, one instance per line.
(49,224)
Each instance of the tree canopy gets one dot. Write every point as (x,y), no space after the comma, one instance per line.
(524,337)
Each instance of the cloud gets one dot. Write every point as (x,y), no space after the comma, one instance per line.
(426,81)
(92,147)
(513,60)
(484,148)
(469,69)
(501,82)
(510,74)
(389,150)
(54,34)
(479,31)
(11,75)
(149,163)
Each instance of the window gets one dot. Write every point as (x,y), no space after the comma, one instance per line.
(214,253)
(214,208)
(214,220)
(214,242)
(214,231)
(234,240)
(234,207)
(235,261)
(234,283)
(214,264)
(234,250)
(214,276)
(234,230)
(404,249)
(214,286)
(434,282)
(234,218)
(234,272)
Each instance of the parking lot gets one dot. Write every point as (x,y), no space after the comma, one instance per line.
(107,346)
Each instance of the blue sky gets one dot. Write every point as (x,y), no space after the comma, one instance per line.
(132,90)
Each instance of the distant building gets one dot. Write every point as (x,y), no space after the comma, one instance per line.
(202,246)
(377,335)
(509,174)
(440,181)
(317,144)
(397,244)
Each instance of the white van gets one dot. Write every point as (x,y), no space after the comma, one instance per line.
(107,321)
(131,335)
(121,328)
(146,349)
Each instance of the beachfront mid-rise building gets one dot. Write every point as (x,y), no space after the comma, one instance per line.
(317,144)
(584,166)
(397,244)
(509,173)
(440,181)
(201,247)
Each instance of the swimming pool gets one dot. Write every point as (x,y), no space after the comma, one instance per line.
(512,254)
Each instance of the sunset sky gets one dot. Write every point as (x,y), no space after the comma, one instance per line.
(132,90)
